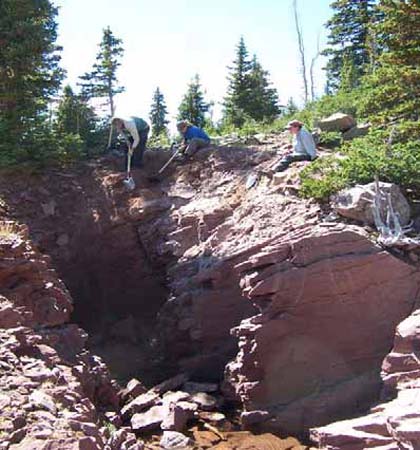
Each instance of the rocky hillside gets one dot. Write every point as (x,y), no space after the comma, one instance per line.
(287,310)
(52,389)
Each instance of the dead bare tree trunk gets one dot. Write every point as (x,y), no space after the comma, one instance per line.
(301,51)
(311,70)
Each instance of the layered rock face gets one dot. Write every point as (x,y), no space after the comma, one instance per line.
(394,424)
(332,300)
(51,387)
(312,304)
(325,298)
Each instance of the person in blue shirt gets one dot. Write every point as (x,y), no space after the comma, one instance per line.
(194,137)
(302,149)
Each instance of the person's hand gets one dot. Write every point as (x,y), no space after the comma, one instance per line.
(288,149)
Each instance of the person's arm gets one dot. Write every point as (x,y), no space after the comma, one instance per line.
(132,129)
(308,144)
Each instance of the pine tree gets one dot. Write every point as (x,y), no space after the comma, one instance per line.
(291,107)
(29,71)
(262,103)
(75,117)
(349,38)
(392,90)
(236,100)
(158,112)
(193,106)
(349,77)
(102,80)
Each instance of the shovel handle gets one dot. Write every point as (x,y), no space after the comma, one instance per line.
(129,155)
(169,161)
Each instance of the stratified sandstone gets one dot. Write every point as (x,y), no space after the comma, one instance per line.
(391,425)
(332,299)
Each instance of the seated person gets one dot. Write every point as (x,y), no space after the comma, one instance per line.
(303,147)
(194,137)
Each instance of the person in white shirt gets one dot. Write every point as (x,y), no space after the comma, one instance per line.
(302,149)
(135,131)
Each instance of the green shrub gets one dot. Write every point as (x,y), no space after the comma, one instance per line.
(330,139)
(364,158)
(160,140)
(322,178)
(71,147)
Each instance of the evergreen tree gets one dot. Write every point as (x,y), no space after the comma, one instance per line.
(236,100)
(158,112)
(262,104)
(193,106)
(102,80)
(349,78)
(75,117)
(29,72)
(291,107)
(349,38)
(392,90)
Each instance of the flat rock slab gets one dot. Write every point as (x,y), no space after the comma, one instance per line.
(170,384)
(204,401)
(174,440)
(140,403)
(148,420)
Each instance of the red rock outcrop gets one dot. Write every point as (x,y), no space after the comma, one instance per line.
(312,304)
(52,388)
(332,299)
(394,424)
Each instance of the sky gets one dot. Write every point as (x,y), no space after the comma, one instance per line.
(167,42)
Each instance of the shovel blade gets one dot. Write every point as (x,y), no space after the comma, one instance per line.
(129,184)
(251,180)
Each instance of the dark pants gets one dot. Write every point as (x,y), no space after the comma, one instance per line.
(194,145)
(285,162)
(138,152)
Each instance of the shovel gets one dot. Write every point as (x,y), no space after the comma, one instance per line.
(129,182)
(155,178)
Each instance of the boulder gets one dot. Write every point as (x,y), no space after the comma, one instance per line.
(174,440)
(204,401)
(133,389)
(42,400)
(337,122)
(357,131)
(148,420)
(178,416)
(174,397)
(356,203)
(140,403)
(251,418)
(124,440)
